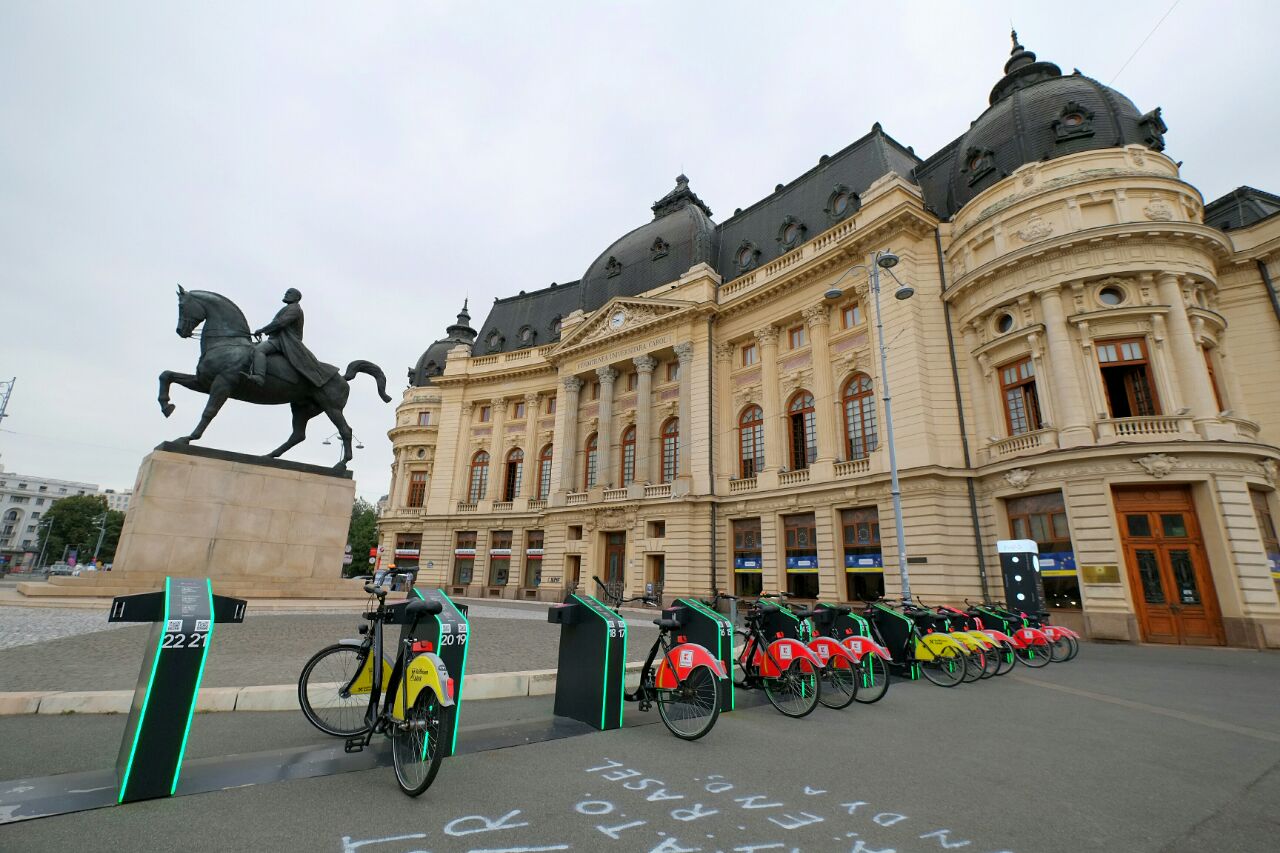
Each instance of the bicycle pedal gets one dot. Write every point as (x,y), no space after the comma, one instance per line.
(645,706)
(354,745)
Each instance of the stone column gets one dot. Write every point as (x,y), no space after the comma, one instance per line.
(497,451)
(529,480)
(644,415)
(825,398)
(1072,417)
(462,466)
(726,465)
(605,437)
(1193,376)
(399,488)
(978,393)
(684,352)
(564,449)
(775,431)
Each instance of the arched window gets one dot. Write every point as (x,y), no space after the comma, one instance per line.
(804,430)
(11,515)
(479,477)
(544,473)
(859,416)
(670,449)
(515,472)
(589,470)
(750,441)
(628,456)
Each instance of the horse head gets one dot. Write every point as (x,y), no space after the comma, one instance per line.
(190,313)
(198,306)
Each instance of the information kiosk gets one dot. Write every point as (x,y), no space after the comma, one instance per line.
(1020,565)
(711,630)
(592,665)
(155,736)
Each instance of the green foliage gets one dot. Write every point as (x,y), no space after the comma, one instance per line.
(361,536)
(74,523)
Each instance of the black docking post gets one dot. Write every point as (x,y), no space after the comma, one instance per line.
(592,663)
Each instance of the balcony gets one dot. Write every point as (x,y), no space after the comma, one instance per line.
(502,506)
(793,478)
(537,504)
(662,490)
(1157,427)
(853,467)
(575,498)
(615,494)
(747,484)
(464,506)
(1041,439)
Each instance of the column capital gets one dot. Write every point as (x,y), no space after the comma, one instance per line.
(684,351)
(531,399)
(816,315)
(767,335)
(467,407)
(572,384)
(498,401)
(607,375)
(644,363)
(724,352)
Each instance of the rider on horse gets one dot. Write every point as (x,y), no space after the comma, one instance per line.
(284,335)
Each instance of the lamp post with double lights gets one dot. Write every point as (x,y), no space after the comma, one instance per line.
(885,260)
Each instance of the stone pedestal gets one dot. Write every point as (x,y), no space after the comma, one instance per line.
(258,528)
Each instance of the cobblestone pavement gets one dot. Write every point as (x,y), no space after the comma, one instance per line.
(75,651)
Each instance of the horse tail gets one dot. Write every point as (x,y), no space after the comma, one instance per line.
(368,367)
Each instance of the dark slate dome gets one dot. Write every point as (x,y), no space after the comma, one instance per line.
(431,363)
(1038,114)
(680,235)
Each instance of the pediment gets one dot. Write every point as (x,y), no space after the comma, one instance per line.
(620,317)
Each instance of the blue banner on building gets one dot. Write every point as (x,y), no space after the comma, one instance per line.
(802,564)
(747,564)
(1274,560)
(1058,563)
(864,562)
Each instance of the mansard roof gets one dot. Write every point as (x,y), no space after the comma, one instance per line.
(1240,208)
(527,319)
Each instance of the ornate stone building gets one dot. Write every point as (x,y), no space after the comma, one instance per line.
(1088,361)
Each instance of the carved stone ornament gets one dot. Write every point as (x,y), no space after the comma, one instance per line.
(1019,477)
(816,315)
(684,351)
(659,249)
(767,335)
(572,384)
(612,267)
(1156,464)
(1035,229)
(644,363)
(1269,469)
(1158,210)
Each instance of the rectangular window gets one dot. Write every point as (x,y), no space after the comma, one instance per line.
(863,557)
(1267,529)
(633,381)
(750,354)
(533,553)
(551,405)
(520,410)
(574,533)
(1021,402)
(796,337)
(748,557)
(1126,376)
(657,530)
(417,488)
(851,316)
(673,371)
(464,557)
(499,557)
(800,534)
(544,476)
(1043,518)
(424,419)
(486,414)
(1213,378)
(408,549)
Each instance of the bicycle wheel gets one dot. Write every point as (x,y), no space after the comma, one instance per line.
(1005,656)
(794,692)
(415,744)
(839,685)
(1060,649)
(1035,655)
(692,708)
(992,655)
(320,691)
(873,675)
(1075,648)
(946,669)
(975,663)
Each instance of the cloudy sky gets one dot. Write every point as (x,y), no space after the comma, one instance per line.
(390,158)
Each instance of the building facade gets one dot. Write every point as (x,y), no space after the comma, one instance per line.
(1085,361)
(23,502)
(118,501)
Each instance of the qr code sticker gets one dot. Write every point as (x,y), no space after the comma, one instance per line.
(173,625)
(202,625)
(686,659)
(785,652)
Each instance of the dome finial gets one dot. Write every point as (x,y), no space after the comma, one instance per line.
(1013,36)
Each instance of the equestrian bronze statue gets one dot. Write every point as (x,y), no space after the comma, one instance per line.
(276,371)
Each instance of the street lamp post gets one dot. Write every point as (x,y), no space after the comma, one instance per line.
(886,260)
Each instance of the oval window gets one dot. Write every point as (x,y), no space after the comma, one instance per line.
(1073,119)
(1111,296)
(1004,323)
(840,204)
(744,257)
(791,234)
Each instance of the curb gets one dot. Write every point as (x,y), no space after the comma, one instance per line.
(265,697)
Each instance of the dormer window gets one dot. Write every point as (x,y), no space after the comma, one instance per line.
(790,233)
(526,336)
(1153,130)
(494,341)
(554,328)
(612,267)
(747,256)
(978,163)
(841,202)
(1074,122)
(659,249)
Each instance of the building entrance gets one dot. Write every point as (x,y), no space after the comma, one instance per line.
(1168,572)
(615,555)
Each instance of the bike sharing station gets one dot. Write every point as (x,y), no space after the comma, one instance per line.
(592,664)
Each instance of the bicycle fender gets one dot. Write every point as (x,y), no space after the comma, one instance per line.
(362,684)
(982,639)
(969,643)
(829,651)
(998,636)
(932,644)
(859,647)
(784,651)
(682,660)
(425,670)
(1032,637)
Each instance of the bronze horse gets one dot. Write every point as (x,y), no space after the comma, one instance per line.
(226,351)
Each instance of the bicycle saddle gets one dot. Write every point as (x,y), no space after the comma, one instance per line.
(842,609)
(418,608)
(805,614)
(766,607)
(667,624)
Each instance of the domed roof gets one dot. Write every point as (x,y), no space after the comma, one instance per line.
(431,363)
(1037,114)
(680,235)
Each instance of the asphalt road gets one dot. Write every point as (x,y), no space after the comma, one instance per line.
(1125,749)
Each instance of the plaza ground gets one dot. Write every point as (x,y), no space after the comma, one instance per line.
(1133,748)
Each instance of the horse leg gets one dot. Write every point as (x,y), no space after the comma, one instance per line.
(302,412)
(167,378)
(219,391)
(344,430)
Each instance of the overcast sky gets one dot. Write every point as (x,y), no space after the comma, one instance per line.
(389,158)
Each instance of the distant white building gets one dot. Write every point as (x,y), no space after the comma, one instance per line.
(24,499)
(118,501)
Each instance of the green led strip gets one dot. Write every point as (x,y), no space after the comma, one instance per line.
(195,693)
(718,618)
(146,699)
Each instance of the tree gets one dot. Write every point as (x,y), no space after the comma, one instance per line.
(74,523)
(361,535)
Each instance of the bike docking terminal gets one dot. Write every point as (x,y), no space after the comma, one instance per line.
(446,634)
(591,668)
(713,631)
